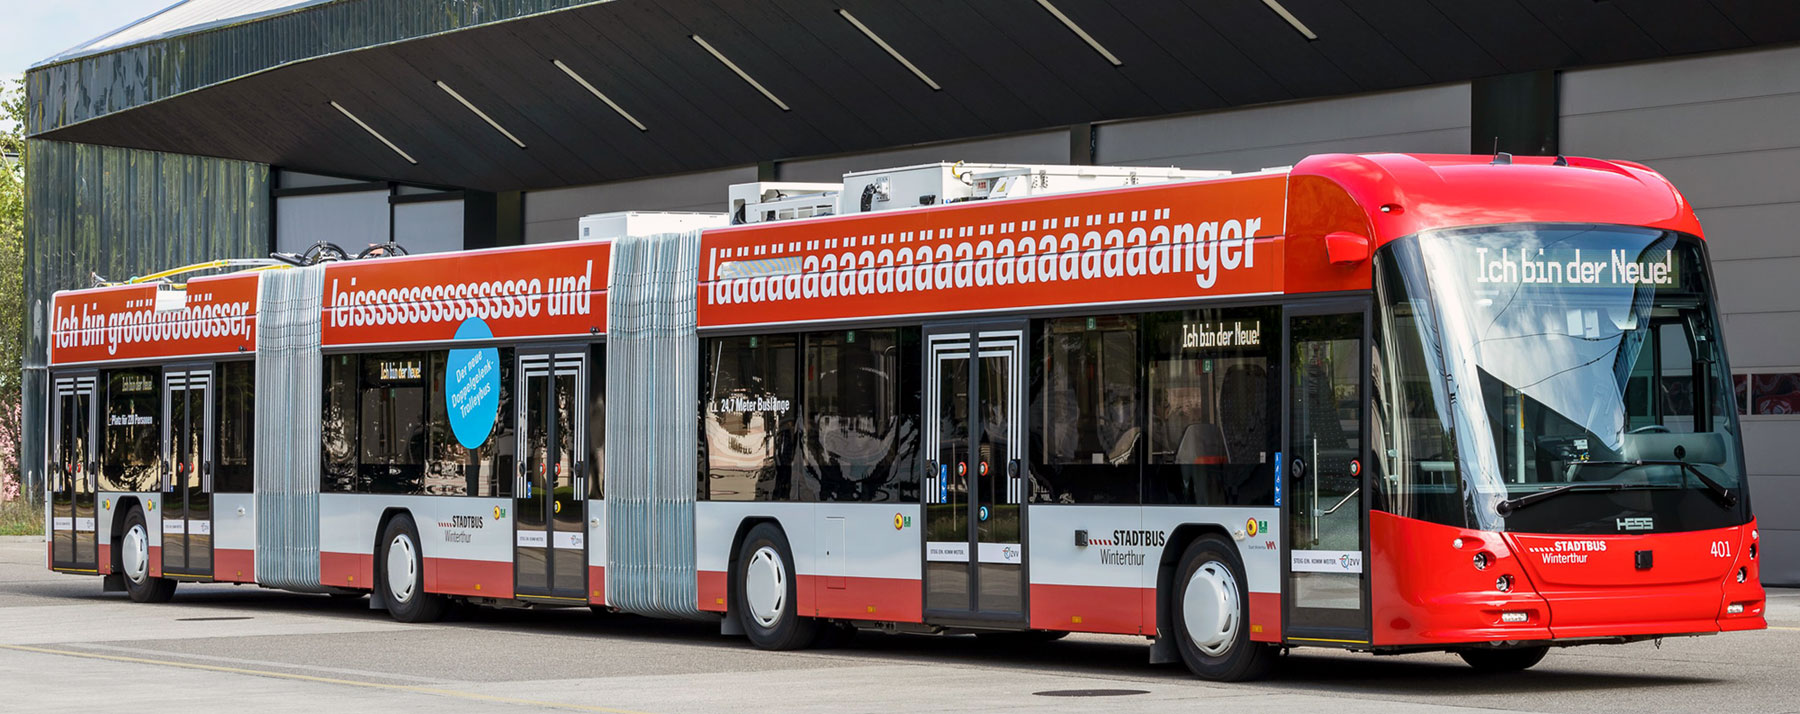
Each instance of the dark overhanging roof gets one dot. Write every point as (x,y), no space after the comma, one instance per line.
(1003,66)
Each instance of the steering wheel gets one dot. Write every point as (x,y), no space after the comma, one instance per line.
(1650,429)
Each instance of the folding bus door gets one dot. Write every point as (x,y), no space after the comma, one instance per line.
(74,477)
(973,486)
(550,498)
(187,515)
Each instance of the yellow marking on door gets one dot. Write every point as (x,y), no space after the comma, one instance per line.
(434,691)
(1321,639)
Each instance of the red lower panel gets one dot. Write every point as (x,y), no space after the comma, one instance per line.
(1265,617)
(105,554)
(1089,608)
(156,561)
(232,565)
(597,585)
(712,590)
(475,578)
(851,598)
(347,570)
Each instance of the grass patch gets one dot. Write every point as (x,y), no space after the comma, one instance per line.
(19,518)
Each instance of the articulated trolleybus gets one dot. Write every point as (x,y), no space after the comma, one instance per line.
(1387,403)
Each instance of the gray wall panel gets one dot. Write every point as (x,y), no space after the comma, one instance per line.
(1755,340)
(1774,495)
(1779,546)
(554,215)
(1744,232)
(1760,285)
(1430,119)
(1771,447)
(351,220)
(1040,148)
(1685,81)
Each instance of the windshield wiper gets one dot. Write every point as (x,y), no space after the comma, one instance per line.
(1722,494)
(1506,507)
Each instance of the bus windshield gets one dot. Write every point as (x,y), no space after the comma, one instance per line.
(1554,379)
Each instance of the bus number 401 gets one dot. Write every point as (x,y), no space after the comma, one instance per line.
(1721,549)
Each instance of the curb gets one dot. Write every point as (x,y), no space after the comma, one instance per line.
(22,539)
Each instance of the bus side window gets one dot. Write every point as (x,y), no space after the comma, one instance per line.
(234,450)
(1087,410)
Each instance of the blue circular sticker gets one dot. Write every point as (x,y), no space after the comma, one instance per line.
(472,386)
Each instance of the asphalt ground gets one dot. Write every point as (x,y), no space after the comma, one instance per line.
(65,646)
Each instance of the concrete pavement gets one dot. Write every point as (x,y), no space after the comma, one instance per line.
(65,646)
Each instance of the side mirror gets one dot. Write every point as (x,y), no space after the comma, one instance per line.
(1346,248)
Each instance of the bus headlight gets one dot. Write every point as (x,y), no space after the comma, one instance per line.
(1736,608)
(1503,583)
(1743,574)
(1514,616)
(1481,561)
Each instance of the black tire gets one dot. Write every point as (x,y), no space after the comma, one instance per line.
(1516,659)
(1228,655)
(145,588)
(770,619)
(411,604)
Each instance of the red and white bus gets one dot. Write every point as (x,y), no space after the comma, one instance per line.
(1385,403)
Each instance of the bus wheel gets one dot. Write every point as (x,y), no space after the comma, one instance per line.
(402,579)
(1211,614)
(1508,660)
(765,592)
(134,562)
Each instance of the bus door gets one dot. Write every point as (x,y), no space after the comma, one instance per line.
(1327,539)
(74,477)
(187,514)
(550,496)
(974,478)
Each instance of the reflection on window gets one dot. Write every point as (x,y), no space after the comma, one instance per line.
(1088,411)
(454,470)
(392,433)
(1415,472)
(338,427)
(131,444)
(1214,400)
(748,418)
(234,439)
(861,404)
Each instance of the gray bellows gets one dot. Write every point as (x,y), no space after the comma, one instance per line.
(651,431)
(288,399)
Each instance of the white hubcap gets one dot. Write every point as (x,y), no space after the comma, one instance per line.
(765,586)
(136,555)
(1209,607)
(400,568)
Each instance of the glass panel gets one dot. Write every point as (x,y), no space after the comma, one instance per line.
(450,468)
(175,485)
(537,456)
(860,438)
(1087,401)
(596,422)
(62,506)
(567,506)
(749,417)
(1215,390)
(1325,499)
(199,506)
(947,517)
(1413,454)
(339,426)
(997,521)
(132,433)
(1581,356)
(83,484)
(234,437)
(392,428)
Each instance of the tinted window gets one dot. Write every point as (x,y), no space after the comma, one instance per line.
(1087,411)
(861,430)
(391,432)
(748,417)
(596,423)
(234,451)
(339,425)
(131,445)
(454,470)
(1214,402)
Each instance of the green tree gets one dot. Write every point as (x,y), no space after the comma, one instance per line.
(12,274)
